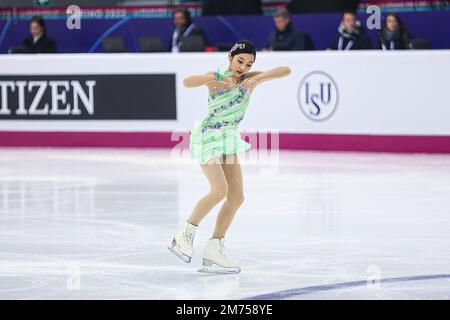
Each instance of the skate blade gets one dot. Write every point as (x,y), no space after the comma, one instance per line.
(179,254)
(214,268)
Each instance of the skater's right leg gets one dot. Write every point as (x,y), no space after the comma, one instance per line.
(235,196)
(218,191)
(182,243)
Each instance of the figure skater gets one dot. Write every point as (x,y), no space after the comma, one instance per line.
(214,143)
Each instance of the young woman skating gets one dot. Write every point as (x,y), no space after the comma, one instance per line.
(214,144)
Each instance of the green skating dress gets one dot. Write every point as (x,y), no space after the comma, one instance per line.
(218,133)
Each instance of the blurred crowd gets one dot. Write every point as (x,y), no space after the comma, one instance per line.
(187,36)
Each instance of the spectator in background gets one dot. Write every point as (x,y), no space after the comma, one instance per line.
(231,7)
(393,35)
(351,35)
(38,41)
(285,37)
(184,28)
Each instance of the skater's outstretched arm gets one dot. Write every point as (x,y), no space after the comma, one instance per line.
(274,73)
(252,74)
(199,80)
(261,77)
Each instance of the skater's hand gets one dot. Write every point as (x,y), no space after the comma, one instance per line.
(249,84)
(223,84)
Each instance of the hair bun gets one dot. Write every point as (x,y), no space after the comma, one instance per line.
(243,46)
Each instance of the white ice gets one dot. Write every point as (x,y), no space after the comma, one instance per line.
(95,224)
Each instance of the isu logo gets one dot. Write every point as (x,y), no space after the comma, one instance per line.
(62,97)
(317,96)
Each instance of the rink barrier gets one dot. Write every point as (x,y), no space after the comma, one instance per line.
(333,101)
(287,141)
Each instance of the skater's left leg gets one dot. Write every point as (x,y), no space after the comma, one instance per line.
(235,195)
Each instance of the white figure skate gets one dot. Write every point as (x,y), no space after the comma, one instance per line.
(182,243)
(215,260)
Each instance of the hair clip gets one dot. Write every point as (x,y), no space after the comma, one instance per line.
(237,45)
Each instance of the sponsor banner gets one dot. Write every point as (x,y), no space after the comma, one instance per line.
(118,12)
(328,93)
(402,6)
(88,97)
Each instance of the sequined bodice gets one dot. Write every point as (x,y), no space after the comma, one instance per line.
(218,133)
(226,108)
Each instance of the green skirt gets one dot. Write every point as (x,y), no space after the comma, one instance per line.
(213,143)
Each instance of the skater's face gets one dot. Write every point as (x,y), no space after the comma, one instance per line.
(241,63)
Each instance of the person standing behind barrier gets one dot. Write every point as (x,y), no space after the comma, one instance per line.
(184,28)
(351,35)
(393,34)
(285,37)
(38,41)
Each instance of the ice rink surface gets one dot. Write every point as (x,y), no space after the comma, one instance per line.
(96,223)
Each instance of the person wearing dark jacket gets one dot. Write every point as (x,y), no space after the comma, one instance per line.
(184,28)
(393,35)
(351,35)
(285,37)
(38,41)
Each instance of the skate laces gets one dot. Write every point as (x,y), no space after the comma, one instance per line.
(222,247)
(189,236)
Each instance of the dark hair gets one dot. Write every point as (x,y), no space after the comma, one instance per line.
(353,13)
(186,13)
(400,23)
(283,12)
(243,46)
(40,21)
